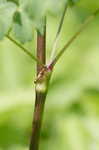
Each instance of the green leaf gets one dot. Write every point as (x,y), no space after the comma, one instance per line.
(22,28)
(7,10)
(55,7)
(36,11)
(29,14)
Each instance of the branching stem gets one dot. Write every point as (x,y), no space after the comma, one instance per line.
(41,91)
(24,50)
(83,26)
(58,33)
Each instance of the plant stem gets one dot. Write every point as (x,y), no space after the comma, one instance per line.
(86,22)
(58,33)
(41,91)
(43,77)
(24,49)
(37,121)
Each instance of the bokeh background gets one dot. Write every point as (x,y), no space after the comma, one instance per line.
(71,118)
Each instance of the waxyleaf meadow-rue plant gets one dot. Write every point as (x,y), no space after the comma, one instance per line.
(18,18)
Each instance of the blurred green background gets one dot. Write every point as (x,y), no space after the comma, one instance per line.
(71,118)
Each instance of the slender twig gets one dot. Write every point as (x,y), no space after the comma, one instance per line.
(24,49)
(58,33)
(83,26)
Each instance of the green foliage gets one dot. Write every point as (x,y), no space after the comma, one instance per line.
(24,15)
(22,27)
(7,10)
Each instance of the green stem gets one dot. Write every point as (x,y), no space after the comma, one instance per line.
(24,49)
(58,33)
(86,22)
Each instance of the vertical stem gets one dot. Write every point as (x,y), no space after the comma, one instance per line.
(41,49)
(40,94)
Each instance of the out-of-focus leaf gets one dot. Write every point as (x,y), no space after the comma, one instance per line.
(7,10)
(22,27)
(29,14)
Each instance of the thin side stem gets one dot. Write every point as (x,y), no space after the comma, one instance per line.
(40,92)
(24,49)
(84,25)
(58,33)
